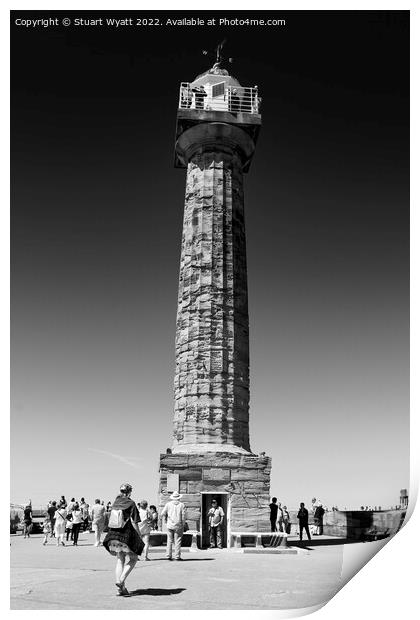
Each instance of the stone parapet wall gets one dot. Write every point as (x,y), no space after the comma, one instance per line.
(356,524)
(246,479)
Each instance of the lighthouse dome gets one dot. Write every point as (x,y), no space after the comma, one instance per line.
(215,75)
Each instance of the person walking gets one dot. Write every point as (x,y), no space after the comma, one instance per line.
(174,515)
(84,507)
(27,521)
(46,529)
(319,519)
(303,517)
(98,520)
(145,527)
(77,520)
(70,508)
(216,516)
(60,525)
(123,539)
(273,513)
(69,526)
(52,509)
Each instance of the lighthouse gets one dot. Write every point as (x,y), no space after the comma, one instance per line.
(218,122)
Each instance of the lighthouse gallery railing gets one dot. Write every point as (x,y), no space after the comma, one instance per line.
(220,97)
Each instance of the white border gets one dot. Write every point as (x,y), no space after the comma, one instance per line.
(385,587)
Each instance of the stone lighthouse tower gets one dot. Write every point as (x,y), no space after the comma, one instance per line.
(218,122)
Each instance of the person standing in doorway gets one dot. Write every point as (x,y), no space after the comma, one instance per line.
(98,520)
(174,515)
(303,517)
(216,516)
(273,513)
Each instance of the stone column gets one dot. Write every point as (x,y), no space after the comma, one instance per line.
(212,340)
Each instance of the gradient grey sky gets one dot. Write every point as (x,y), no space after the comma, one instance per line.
(96,229)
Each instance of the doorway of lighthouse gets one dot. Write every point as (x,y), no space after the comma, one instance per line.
(206,503)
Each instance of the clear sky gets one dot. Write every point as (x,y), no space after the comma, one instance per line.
(96,229)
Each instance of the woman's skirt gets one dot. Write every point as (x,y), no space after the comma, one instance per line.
(125,540)
(60,527)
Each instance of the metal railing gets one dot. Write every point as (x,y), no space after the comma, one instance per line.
(220,97)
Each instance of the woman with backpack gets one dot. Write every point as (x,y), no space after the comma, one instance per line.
(123,538)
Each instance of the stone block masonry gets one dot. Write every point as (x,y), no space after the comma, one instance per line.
(245,478)
(211,385)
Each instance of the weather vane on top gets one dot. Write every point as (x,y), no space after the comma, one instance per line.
(219,59)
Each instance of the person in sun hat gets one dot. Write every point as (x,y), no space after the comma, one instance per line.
(174,515)
(123,538)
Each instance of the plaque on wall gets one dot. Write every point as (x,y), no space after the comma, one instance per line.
(172,483)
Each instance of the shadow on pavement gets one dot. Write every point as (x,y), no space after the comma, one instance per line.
(157,592)
(184,559)
(302,544)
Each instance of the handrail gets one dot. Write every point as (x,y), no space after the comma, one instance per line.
(220,97)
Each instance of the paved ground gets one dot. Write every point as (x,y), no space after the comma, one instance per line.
(82,577)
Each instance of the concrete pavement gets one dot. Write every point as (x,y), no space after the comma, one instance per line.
(82,577)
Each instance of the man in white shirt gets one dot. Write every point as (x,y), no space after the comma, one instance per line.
(174,515)
(216,516)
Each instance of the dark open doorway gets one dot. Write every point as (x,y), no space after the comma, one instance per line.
(206,499)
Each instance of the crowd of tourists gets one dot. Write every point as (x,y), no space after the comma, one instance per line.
(63,521)
(280,518)
(128,526)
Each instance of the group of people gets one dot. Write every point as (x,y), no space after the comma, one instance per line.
(280,518)
(66,520)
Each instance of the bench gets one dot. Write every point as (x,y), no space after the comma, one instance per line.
(281,537)
(374,533)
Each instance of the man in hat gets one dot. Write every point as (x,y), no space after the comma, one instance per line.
(174,516)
